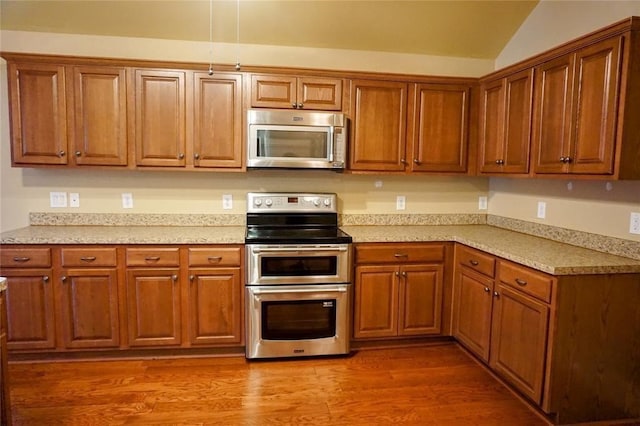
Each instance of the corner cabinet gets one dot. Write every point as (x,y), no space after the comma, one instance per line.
(398,290)
(505,124)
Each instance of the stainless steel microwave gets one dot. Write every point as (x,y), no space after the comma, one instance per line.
(295,139)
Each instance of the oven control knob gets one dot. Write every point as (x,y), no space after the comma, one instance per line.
(327,202)
(257,202)
(316,202)
(268,202)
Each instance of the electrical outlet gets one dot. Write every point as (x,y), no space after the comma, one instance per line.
(401,202)
(127,200)
(377,184)
(542,210)
(74,199)
(58,199)
(482,203)
(634,223)
(227,201)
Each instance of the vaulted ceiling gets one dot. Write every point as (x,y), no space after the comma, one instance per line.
(473,29)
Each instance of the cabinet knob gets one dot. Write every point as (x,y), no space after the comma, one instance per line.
(64,278)
(404,274)
(403,161)
(45,278)
(78,153)
(562,159)
(567,160)
(416,161)
(487,289)
(496,294)
(196,156)
(300,105)
(61,154)
(500,162)
(397,274)
(174,278)
(294,105)
(181,156)
(192,277)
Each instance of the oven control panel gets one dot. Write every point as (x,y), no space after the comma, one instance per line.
(291,202)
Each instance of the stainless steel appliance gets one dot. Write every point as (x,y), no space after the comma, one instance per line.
(296,139)
(298,281)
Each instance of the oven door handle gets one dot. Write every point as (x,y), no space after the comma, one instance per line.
(298,290)
(300,250)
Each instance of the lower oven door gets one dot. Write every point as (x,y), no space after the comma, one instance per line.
(297,320)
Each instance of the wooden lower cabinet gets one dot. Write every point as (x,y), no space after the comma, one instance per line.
(215,306)
(5,400)
(399,298)
(153,307)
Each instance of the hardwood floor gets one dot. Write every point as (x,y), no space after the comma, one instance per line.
(428,385)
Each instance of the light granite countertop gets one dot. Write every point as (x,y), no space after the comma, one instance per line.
(539,253)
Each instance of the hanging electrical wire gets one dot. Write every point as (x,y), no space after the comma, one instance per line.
(210,37)
(237,35)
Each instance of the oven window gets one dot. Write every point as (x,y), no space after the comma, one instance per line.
(295,144)
(299,266)
(298,319)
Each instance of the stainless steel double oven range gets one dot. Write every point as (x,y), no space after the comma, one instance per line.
(298,281)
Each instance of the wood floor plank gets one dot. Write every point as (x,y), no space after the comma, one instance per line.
(430,385)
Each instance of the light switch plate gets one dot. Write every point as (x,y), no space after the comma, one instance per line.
(634,223)
(482,203)
(127,200)
(542,210)
(74,199)
(58,199)
(227,201)
(401,202)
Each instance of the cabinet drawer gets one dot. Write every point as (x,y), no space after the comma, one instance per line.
(25,258)
(153,257)
(526,280)
(476,260)
(78,257)
(399,253)
(229,256)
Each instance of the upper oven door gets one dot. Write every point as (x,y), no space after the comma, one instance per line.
(290,146)
(298,264)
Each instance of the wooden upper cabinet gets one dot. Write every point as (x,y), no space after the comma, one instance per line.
(98,115)
(38,113)
(505,124)
(217,140)
(576,111)
(439,137)
(160,118)
(378,128)
(281,91)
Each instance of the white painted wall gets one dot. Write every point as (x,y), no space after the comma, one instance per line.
(589,206)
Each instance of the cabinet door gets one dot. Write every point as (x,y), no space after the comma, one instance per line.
(473,302)
(90,308)
(5,400)
(492,119)
(319,93)
(30,315)
(552,121)
(98,117)
(517,132)
(273,91)
(420,310)
(378,129)
(215,303)
(38,114)
(519,341)
(153,307)
(595,108)
(217,120)
(160,118)
(376,302)
(441,127)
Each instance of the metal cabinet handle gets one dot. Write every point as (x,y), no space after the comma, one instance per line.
(294,105)
(214,258)
(403,161)
(416,161)
(64,278)
(21,259)
(196,156)
(397,274)
(88,258)
(45,278)
(181,156)
(496,294)
(78,153)
(473,262)
(300,105)
(152,258)
(404,274)
(192,277)
(567,160)
(487,290)
(61,154)
(174,277)
(521,282)
(400,255)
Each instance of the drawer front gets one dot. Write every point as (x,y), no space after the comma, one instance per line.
(228,256)
(528,281)
(153,256)
(399,253)
(476,260)
(25,258)
(79,257)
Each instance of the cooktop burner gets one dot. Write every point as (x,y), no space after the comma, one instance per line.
(292,218)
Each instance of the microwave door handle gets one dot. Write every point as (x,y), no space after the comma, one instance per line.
(258,147)
(331,142)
